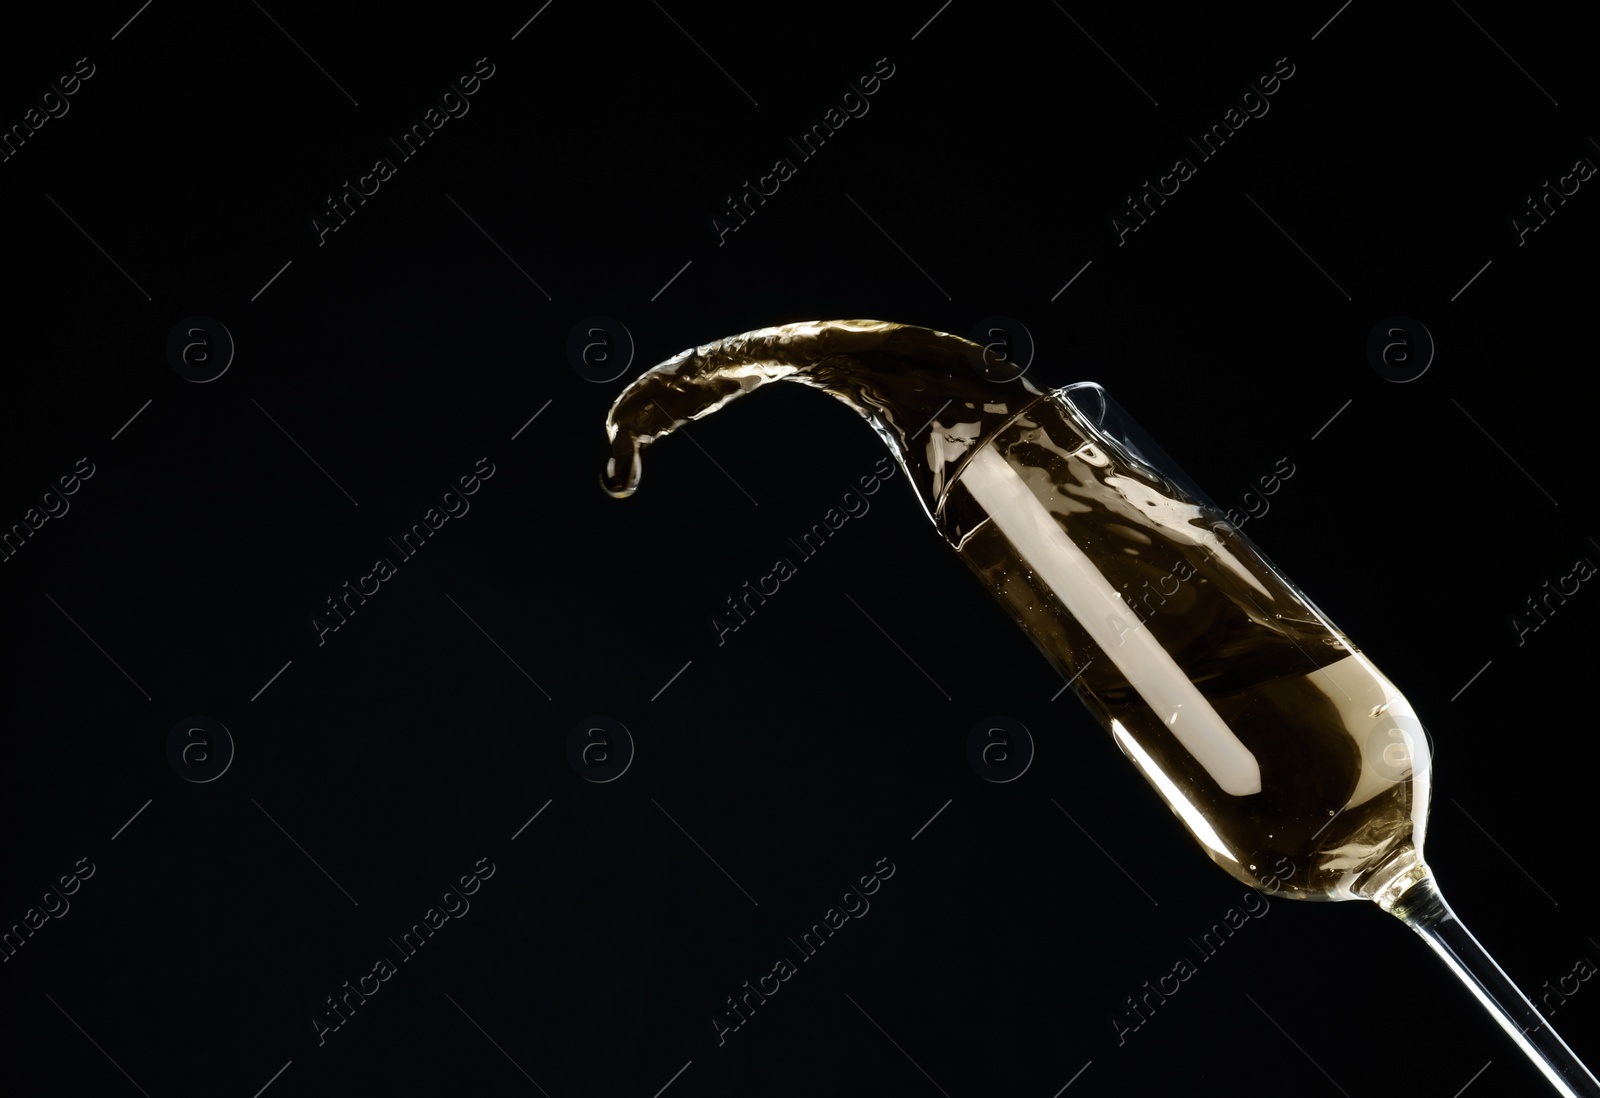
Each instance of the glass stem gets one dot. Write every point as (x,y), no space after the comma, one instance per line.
(1424,910)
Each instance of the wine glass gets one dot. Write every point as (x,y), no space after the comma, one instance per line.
(1293,761)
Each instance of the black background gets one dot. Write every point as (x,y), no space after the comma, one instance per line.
(427,731)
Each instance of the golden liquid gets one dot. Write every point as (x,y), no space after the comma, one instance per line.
(1296,765)
(1342,761)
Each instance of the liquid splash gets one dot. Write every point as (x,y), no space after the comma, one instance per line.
(1247,710)
(921,390)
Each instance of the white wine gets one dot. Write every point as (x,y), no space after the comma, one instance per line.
(1265,730)
(1290,758)
(1258,722)
(1268,733)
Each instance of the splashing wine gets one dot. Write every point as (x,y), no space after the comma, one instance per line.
(1260,724)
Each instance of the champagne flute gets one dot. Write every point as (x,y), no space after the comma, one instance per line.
(1263,727)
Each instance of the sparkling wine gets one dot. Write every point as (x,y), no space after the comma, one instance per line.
(1266,731)
(1291,759)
